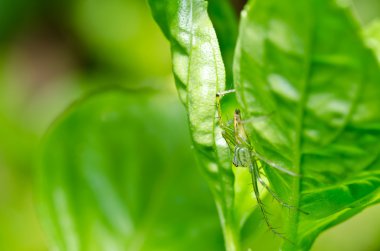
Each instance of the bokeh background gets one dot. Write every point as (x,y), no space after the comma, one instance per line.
(54,52)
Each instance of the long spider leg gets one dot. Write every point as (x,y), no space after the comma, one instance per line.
(276,197)
(254,174)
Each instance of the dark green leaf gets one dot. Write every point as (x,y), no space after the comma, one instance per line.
(117,173)
(225,22)
(306,65)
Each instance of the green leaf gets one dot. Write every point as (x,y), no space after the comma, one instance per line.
(197,62)
(199,74)
(225,23)
(117,173)
(306,65)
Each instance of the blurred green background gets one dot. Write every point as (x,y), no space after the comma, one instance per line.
(54,52)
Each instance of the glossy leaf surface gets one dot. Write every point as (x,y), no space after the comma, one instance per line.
(197,62)
(199,74)
(306,66)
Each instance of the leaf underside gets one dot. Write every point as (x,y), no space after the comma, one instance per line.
(200,74)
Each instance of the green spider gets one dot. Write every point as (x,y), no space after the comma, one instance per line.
(244,155)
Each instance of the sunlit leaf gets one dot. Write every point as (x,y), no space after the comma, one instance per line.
(197,62)
(199,73)
(306,66)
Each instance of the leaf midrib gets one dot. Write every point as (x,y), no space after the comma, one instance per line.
(292,224)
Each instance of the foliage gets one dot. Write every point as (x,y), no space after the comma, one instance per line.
(109,180)
(321,90)
(115,170)
(323,93)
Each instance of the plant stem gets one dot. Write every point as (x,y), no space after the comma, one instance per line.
(230,231)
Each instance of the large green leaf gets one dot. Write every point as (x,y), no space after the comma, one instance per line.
(306,65)
(197,61)
(199,73)
(117,173)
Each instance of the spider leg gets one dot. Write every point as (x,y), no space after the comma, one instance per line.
(276,197)
(253,168)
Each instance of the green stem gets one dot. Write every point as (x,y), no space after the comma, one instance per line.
(231,235)
(230,229)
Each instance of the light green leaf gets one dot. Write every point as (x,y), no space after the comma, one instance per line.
(117,173)
(197,62)
(199,73)
(306,65)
